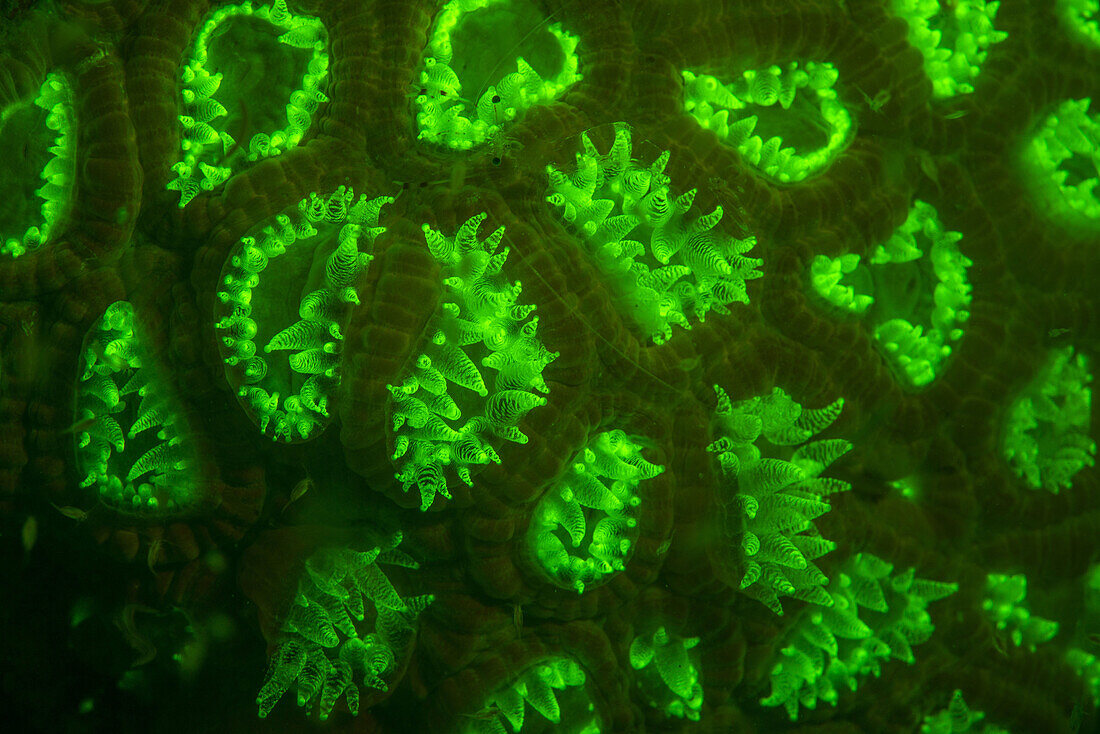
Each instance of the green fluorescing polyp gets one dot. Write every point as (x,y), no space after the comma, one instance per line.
(346,626)
(554,690)
(266,67)
(955,37)
(584,529)
(796,107)
(1047,429)
(38,148)
(766,506)
(867,617)
(914,291)
(289,289)
(1083,18)
(668,672)
(666,265)
(1062,165)
(130,440)
(465,49)
(958,718)
(447,409)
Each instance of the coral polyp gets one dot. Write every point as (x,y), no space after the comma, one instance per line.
(319,250)
(44,168)
(520,366)
(131,441)
(800,137)
(463,68)
(220,81)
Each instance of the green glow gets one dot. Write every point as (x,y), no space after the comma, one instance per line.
(465,51)
(592,508)
(130,444)
(871,617)
(955,40)
(914,292)
(37,143)
(480,320)
(234,46)
(957,718)
(1004,605)
(805,133)
(290,287)
(1062,164)
(831,278)
(664,266)
(907,487)
(1083,18)
(668,673)
(1046,436)
(553,688)
(322,644)
(767,505)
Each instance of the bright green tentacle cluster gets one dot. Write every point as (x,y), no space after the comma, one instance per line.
(130,443)
(1084,663)
(957,718)
(767,505)
(465,48)
(664,264)
(796,107)
(479,321)
(832,279)
(872,616)
(54,164)
(955,38)
(1005,607)
(318,249)
(668,672)
(1046,438)
(210,152)
(554,688)
(592,508)
(1083,18)
(1062,162)
(320,644)
(914,291)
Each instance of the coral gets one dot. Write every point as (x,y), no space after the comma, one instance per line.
(1082,17)
(210,153)
(831,646)
(1060,161)
(131,443)
(667,674)
(1046,437)
(1005,608)
(48,155)
(521,390)
(541,687)
(812,120)
(591,508)
(955,38)
(918,275)
(956,718)
(290,400)
(776,499)
(481,318)
(321,646)
(610,200)
(465,50)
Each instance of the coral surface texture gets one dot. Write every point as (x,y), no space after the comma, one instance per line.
(522,366)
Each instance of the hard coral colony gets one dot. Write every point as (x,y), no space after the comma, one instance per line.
(546,365)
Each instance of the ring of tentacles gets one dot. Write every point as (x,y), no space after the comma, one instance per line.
(530,365)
